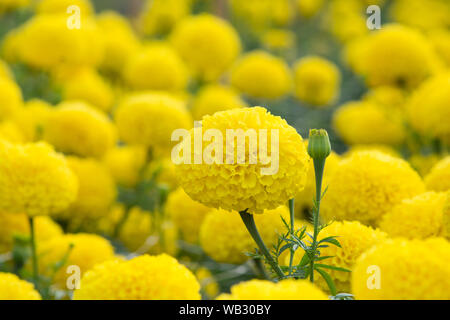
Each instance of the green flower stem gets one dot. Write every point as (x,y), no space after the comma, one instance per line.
(33,252)
(319,165)
(291,212)
(259,266)
(249,222)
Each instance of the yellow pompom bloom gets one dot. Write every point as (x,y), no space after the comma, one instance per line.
(278,39)
(207,281)
(10,98)
(347,19)
(388,96)
(150,118)
(159,16)
(241,184)
(125,164)
(416,269)
(430,14)
(428,110)
(266,290)
(440,39)
(13,288)
(398,56)
(317,81)
(78,128)
(213,98)
(304,198)
(81,249)
(364,122)
(155,67)
(372,147)
(208,44)
(34,179)
(5,71)
(186,213)
(160,278)
(87,85)
(96,191)
(417,218)
(136,229)
(309,8)
(12,224)
(438,179)
(367,185)
(120,40)
(60,6)
(10,46)
(46,41)
(258,74)
(224,238)
(32,118)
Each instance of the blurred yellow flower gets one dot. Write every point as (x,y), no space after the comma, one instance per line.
(438,179)
(13,288)
(61,6)
(10,98)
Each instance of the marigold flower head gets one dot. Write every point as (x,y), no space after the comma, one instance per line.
(417,218)
(125,163)
(428,107)
(213,98)
(372,147)
(186,213)
(119,38)
(426,15)
(78,128)
(208,44)
(309,8)
(415,269)
(34,179)
(438,179)
(81,249)
(150,118)
(289,289)
(224,238)
(156,66)
(347,20)
(258,74)
(399,56)
(32,118)
(317,81)
(13,288)
(12,224)
(10,98)
(240,186)
(367,185)
(388,96)
(60,6)
(440,39)
(278,39)
(160,278)
(364,122)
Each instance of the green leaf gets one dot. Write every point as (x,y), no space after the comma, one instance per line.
(326,266)
(331,240)
(328,279)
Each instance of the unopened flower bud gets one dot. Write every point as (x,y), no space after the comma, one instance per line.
(319,146)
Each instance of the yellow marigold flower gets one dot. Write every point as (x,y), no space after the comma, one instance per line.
(120,40)
(76,127)
(12,224)
(159,16)
(213,98)
(13,288)
(317,81)
(438,179)
(165,171)
(430,14)
(347,19)
(428,107)
(372,147)
(388,96)
(87,85)
(186,213)
(224,238)
(10,46)
(45,41)
(81,249)
(60,6)
(278,39)
(96,191)
(440,39)
(364,122)
(258,74)
(424,163)
(150,118)
(10,98)
(309,8)
(398,56)
(156,66)
(304,198)
(160,278)
(208,283)
(240,186)
(266,290)
(367,185)
(417,218)
(32,118)
(416,269)
(136,229)
(354,52)
(208,44)
(34,179)
(125,164)
(5,71)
